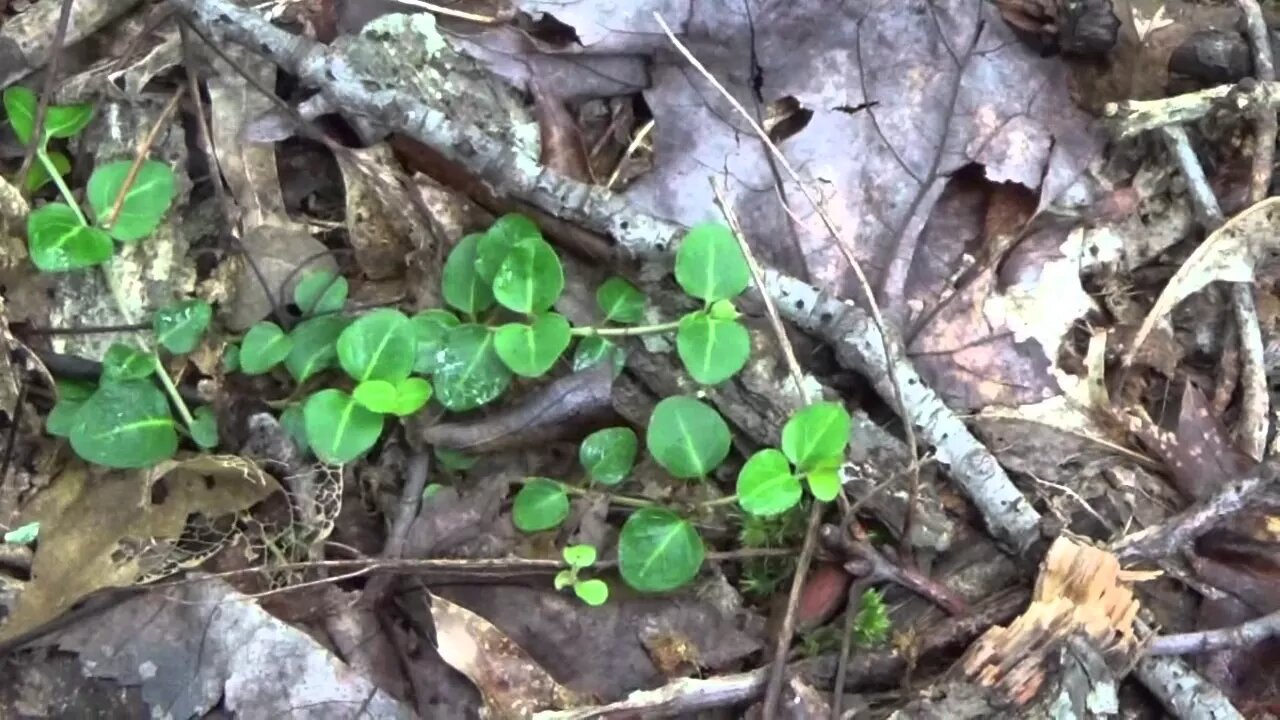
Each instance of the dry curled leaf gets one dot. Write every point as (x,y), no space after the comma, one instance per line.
(512,683)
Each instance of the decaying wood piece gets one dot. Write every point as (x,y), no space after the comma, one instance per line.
(1063,657)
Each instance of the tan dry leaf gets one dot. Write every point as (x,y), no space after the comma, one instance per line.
(1230,254)
(381,218)
(249,169)
(114,530)
(512,683)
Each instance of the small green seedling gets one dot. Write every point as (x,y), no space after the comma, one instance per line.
(127,202)
(593,592)
(813,446)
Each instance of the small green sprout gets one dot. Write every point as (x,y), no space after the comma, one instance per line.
(593,592)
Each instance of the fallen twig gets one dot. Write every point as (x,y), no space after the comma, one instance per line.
(1264,142)
(1134,117)
(1179,531)
(1251,430)
(1183,692)
(417,471)
(1237,636)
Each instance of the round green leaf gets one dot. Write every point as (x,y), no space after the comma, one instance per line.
(379,345)
(39,174)
(125,425)
(712,350)
(315,346)
(505,232)
(462,286)
(579,556)
(564,579)
(817,433)
(71,395)
(621,301)
(723,310)
(338,428)
(531,350)
(401,399)
(710,265)
(431,327)
(658,551)
(686,437)
(411,394)
(20,108)
(231,358)
(376,395)
(64,121)
(593,592)
(608,454)
(293,423)
(123,361)
(61,121)
(320,292)
(540,505)
(145,202)
(593,349)
(179,326)
(470,373)
(205,428)
(766,485)
(824,483)
(263,347)
(530,278)
(60,242)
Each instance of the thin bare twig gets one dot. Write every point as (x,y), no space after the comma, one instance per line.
(1264,143)
(140,156)
(782,644)
(1179,531)
(775,321)
(1251,430)
(1236,636)
(416,475)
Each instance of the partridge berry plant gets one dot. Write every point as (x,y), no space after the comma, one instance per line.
(500,287)
(126,202)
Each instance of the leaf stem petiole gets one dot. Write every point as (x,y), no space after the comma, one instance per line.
(174,395)
(62,184)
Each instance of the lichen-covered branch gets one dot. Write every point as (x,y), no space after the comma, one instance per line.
(1133,117)
(858,343)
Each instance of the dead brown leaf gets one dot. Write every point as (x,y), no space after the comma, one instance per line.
(114,529)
